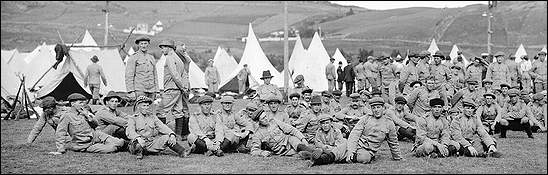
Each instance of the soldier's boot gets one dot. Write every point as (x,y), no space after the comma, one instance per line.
(208,153)
(324,159)
(139,151)
(305,155)
(219,153)
(180,150)
(303,147)
(184,126)
(503,130)
(528,130)
(452,150)
(179,126)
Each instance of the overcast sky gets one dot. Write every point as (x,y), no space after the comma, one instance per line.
(384,5)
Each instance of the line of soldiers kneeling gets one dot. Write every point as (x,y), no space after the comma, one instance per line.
(315,129)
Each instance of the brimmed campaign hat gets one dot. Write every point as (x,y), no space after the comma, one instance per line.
(49,102)
(142,38)
(168,43)
(110,95)
(266,74)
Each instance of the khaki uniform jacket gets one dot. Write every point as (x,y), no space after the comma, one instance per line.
(538,71)
(387,74)
(141,73)
(409,74)
(513,69)
(400,119)
(212,75)
(539,111)
(173,73)
(330,72)
(441,73)
(185,58)
(53,121)
(465,129)
(308,125)
(94,75)
(75,125)
(279,115)
(105,117)
(360,71)
(264,91)
(295,113)
(276,137)
(234,125)
(206,126)
(327,108)
(432,129)
(467,94)
(488,113)
(419,101)
(498,73)
(350,116)
(328,139)
(516,111)
(475,72)
(370,132)
(148,127)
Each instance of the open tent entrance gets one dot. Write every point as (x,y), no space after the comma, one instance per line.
(232,86)
(67,86)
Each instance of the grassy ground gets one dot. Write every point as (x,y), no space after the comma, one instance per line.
(521,155)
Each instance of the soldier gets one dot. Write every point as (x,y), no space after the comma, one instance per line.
(433,134)
(172,104)
(276,137)
(418,99)
(387,78)
(365,139)
(275,111)
(328,136)
(326,105)
(516,115)
(364,97)
(457,81)
(468,93)
(475,70)
(498,71)
(299,84)
(265,90)
(141,72)
(538,108)
(52,115)
(423,64)
(409,74)
(369,65)
(336,101)
(94,75)
(349,76)
(309,122)
(440,72)
(294,109)
(503,98)
(236,127)
(513,71)
(112,120)
(468,131)
(206,129)
(212,77)
(148,134)
(331,75)
(77,124)
(538,72)
(180,50)
(307,95)
(406,127)
(340,76)
(488,112)
(351,114)
(360,71)
(242,79)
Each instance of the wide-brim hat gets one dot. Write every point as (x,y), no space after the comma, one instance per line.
(94,58)
(365,92)
(541,52)
(205,99)
(503,84)
(227,99)
(499,53)
(266,74)
(468,102)
(110,95)
(473,82)
(354,96)
(298,79)
(439,54)
(400,100)
(143,99)
(487,80)
(142,38)
(168,43)
(294,94)
(424,53)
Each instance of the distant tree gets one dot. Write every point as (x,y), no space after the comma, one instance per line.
(394,53)
(350,12)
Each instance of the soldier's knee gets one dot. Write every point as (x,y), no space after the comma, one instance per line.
(452,150)
(524,120)
(504,122)
(364,156)
(428,148)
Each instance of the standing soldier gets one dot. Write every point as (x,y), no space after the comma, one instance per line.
(174,87)
(349,76)
(387,78)
(538,72)
(470,134)
(148,134)
(94,75)
(351,114)
(340,76)
(516,116)
(309,123)
(471,93)
(331,75)
(236,128)
(513,71)
(180,50)
(206,129)
(498,71)
(52,116)
(266,90)
(212,77)
(299,84)
(111,120)
(364,140)
(141,72)
(440,72)
(75,131)
(369,65)
(433,134)
(359,70)
(475,70)
(409,74)
(457,81)
(242,79)
(423,65)
(294,109)
(488,112)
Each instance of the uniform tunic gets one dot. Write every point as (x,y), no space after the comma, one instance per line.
(295,113)
(141,73)
(369,133)
(153,131)
(234,125)
(106,117)
(349,116)
(328,139)
(513,72)
(308,125)
(281,138)
(408,75)
(279,115)
(432,130)
(488,113)
(264,91)
(474,71)
(499,73)
(538,72)
(52,120)
(468,131)
(212,78)
(203,126)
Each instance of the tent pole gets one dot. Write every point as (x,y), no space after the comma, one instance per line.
(286,73)
(14,102)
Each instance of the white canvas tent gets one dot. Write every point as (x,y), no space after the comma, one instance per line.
(10,81)
(257,62)
(297,56)
(7,55)
(196,76)
(339,57)
(224,63)
(454,55)
(433,47)
(87,40)
(313,66)
(39,61)
(519,53)
(111,62)
(65,81)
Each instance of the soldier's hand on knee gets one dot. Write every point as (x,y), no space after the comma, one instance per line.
(266,153)
(473,151)
(172,140)
(443,150)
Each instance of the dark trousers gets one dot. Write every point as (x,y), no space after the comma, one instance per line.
(201,146)
(340,85)
(349,88)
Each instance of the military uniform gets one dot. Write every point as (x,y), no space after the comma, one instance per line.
(205,131)
(242,79)
(409,74)
(432,131)
(235,125)
(487,115)
(465,94)
(499,73)
(475,72)
(295,113)
(280,137)
(388,81)
(212,79)
(308,124)
(264,91)
(151,130)
(539,111)
(538,73)
(331,76)
(141,75)
(83,138)
(516,116)
(350,116)
(93,76)
(111,121)
(360,71)
(52,120)
(468,131)
(513,72)
(404,121)
(328,139)
(418,100)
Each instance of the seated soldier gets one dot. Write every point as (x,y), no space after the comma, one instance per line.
(365,139)
(206,129)
(276,137)
(403,119)
(538,108)
(488,112)
(112,120)
(349,116)
(326,105)
(275,111)
(336,101)
(433,134)
(77,123)
(52,115)
(516,116)
(236,128)
(148,134)
(294,109)
(308,124)
(468,131)
(364,96)
(327,137)
(307,96)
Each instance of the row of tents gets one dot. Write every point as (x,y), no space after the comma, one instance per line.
(68,78)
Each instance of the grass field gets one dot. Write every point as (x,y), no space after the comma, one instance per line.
(521,155)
